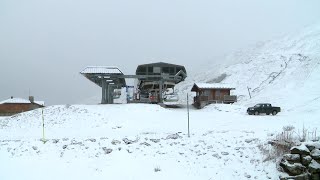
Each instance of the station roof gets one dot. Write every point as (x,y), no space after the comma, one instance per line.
(94,74)
(211,86)
(160,64)
(101,70)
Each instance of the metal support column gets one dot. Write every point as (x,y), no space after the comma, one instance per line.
(110,89)
(103,99)
(160,90)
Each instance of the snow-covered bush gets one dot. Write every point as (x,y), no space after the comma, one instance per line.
(285,140)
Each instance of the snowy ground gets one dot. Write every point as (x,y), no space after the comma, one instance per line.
(223,143)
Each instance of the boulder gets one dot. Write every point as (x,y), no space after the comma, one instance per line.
(306,160)
(292,158)
(315,154)
(304,176)
(302,150)
(292,169)
(314,167)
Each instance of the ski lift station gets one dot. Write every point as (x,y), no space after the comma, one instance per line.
(154,80)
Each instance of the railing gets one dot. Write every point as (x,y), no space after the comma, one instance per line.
(216,99)
(230,99)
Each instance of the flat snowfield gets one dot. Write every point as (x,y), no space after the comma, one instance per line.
(141,141)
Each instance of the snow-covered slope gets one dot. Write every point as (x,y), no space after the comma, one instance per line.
(284,72)
(128,141)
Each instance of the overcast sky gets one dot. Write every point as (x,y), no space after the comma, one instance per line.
(45,43)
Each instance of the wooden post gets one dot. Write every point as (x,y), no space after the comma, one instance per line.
(249,91)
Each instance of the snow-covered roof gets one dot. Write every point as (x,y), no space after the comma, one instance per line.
(41,103)
(213,86)
(101,70)
(15,101)
(20,101)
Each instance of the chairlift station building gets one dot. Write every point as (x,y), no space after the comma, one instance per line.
(151,77)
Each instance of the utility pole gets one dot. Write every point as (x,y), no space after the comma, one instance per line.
(188,115)
(249,91)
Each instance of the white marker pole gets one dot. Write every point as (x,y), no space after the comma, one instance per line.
(43,138)
(188,115)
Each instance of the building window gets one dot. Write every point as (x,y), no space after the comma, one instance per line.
(165,69)
(171,71)
(150,69)
(206,93)
(142,70)
(157,70)
(218,93)
(178,69)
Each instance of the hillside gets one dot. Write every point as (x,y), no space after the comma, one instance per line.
(283,71)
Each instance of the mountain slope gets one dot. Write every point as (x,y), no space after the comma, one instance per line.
(284,71)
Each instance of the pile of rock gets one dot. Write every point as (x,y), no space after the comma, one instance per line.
(302,163)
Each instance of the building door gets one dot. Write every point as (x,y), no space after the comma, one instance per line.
(218,94)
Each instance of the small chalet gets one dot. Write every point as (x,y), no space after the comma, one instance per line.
(13,106)
(212,93)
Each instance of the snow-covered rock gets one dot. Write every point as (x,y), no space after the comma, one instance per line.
(315,154)
(155,140)
(314,167)
(106,150)
(304,176)
(302,150)
(294,158)
(312,145)
(173,136)
(128,141)
(306,160)
(115,142)
(292,169)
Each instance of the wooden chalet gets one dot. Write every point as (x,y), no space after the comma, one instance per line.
(212,93)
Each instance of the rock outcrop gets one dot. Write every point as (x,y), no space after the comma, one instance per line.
(303,163)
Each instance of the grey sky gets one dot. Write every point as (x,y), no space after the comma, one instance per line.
(45,43)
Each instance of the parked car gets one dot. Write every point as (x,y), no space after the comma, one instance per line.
(263,108)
